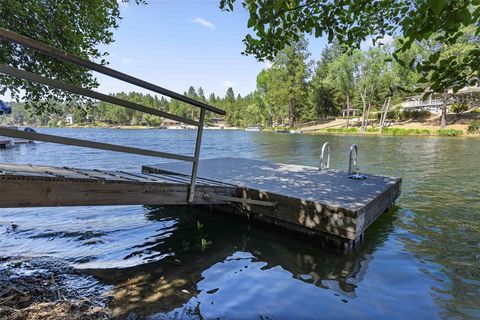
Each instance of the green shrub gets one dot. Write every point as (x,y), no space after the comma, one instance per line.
(391,114)
(405,131)
(473,127)
(342,130)
(458,107)
(449,132)
(414,115)
(372,129)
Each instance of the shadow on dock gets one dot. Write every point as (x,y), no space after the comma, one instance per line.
(173,282)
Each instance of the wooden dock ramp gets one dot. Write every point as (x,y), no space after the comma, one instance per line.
(307,200)
(45,186)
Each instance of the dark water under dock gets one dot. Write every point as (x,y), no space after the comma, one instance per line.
(420,261)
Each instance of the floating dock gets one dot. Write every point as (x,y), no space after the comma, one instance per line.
(305,199)
(6,143)
(300,198)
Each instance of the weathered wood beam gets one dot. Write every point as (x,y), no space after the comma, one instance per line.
(52,192)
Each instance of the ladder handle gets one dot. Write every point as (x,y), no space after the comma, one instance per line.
(322,157)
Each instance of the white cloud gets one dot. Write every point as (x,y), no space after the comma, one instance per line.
(127,60)
(205,23)
(368,43)
(228,84)
(386,40)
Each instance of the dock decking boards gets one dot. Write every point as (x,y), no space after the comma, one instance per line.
(45,186)
(309,200)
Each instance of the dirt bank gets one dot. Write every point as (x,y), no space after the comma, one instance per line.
(454,122)
(49,289)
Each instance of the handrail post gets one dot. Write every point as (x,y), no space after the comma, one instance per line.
(196,157)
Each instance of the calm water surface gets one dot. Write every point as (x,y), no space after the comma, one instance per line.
(420,261)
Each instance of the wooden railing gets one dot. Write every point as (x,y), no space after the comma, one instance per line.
(67,57)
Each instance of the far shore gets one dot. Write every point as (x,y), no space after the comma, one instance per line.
(456,127)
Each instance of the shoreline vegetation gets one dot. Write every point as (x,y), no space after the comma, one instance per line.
(335,126)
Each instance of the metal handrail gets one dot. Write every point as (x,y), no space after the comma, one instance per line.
(25,75)
(90,144)
(326,146)
(62,55)
(352,162)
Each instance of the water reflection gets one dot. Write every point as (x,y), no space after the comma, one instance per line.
(425,257)
(187,275)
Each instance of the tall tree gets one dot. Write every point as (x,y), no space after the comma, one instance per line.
(322,92)
(201,95)
(230,95)
(342,74)
(292,70)
(373,80)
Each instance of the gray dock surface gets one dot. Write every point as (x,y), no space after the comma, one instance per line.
(330,187)
(308,199)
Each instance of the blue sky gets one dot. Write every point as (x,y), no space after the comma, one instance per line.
(176,44)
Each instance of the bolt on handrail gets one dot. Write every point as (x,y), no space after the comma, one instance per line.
(65,56)
(323,166)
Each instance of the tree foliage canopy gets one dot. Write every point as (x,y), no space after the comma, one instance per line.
(77,27)
(278,23)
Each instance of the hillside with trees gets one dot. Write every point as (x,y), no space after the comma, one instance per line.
(296,88)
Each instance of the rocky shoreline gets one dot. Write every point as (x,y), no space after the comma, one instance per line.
(46,288)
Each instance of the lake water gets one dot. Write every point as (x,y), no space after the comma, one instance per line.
(419,261)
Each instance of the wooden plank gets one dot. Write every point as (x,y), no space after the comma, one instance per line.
(22,74)
(56,192)
(65,56)
(43,171)
(96,174)
(175,178)
(44,186)
(134,176)
(91,144)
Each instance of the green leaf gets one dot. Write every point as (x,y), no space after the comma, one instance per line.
(251,22)
(437,6)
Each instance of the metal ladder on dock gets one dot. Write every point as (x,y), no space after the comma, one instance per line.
(352,161)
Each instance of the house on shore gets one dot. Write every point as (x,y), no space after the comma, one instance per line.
(69,119)
(434,102)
